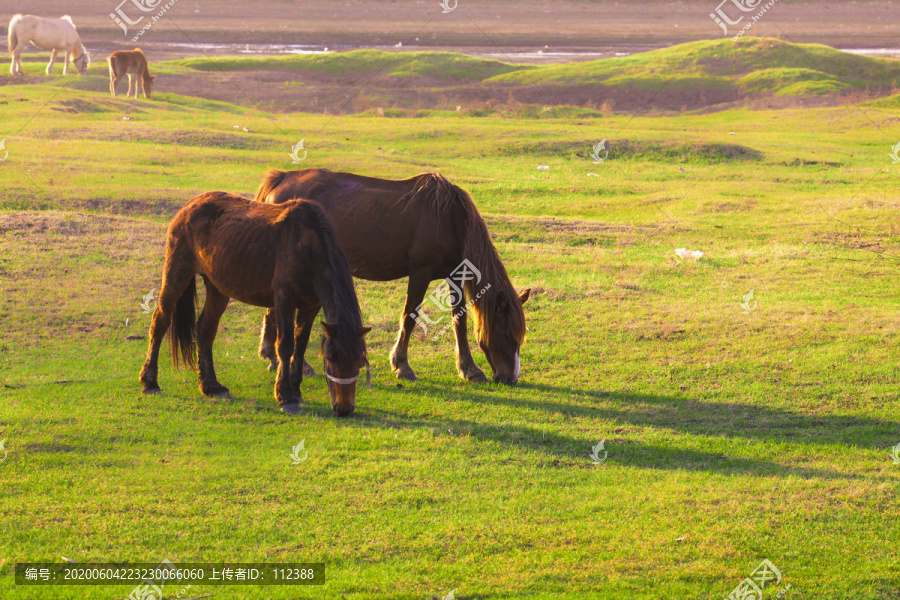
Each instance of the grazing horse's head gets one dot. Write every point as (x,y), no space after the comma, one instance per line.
(82,63)
(344,354)
(501,333)
(147,80)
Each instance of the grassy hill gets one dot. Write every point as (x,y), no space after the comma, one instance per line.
(444,65)
(755,64)
(691,76)
(752,64)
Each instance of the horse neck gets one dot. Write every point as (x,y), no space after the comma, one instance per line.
(330,286)
(494,279)
(77,49)
(481,252)
(326,288)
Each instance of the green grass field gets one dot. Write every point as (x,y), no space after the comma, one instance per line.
(733,436)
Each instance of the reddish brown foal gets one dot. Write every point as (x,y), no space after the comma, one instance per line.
(134,64)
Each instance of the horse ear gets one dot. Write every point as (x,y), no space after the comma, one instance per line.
(523,297)
(329,329)
(363,331)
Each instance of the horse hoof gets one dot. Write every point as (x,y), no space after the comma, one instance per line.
(479,378)
(148,391)
(220,392)
(475,375)
(290,409)
(407,375)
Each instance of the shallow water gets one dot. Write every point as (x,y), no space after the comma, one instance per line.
(883,52)
(529,56)
(261,48)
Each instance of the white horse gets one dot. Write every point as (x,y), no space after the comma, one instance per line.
(49,34)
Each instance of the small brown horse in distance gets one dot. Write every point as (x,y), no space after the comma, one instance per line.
(423,227)
(284,257)
(134,64)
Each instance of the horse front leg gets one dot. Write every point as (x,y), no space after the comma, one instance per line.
(465,364)
(283,315)
(415,293)
(66,66)
(299,365)
(266,350)
(207,327)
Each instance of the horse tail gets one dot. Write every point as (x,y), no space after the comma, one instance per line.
(183,330)
(12,39)
(271,181)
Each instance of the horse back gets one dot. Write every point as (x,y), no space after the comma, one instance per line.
(242,246)
(43,32)
(322,185)
(386,227)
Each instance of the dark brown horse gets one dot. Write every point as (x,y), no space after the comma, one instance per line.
(425,228)
(284,257)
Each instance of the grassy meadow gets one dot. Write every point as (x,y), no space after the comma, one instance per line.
(733,435)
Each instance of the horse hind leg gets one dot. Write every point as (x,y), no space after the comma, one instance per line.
(176,281)
(52,60)
(267,341)
(207,326)
(113,79)
(415,293)
(15,66)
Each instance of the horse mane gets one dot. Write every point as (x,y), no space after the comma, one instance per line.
(78,43)
(480,251)
(349,346)
(271,181)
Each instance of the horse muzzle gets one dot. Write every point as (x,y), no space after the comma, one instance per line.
(341,411)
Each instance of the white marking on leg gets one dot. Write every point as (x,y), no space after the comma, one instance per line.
(516,376)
